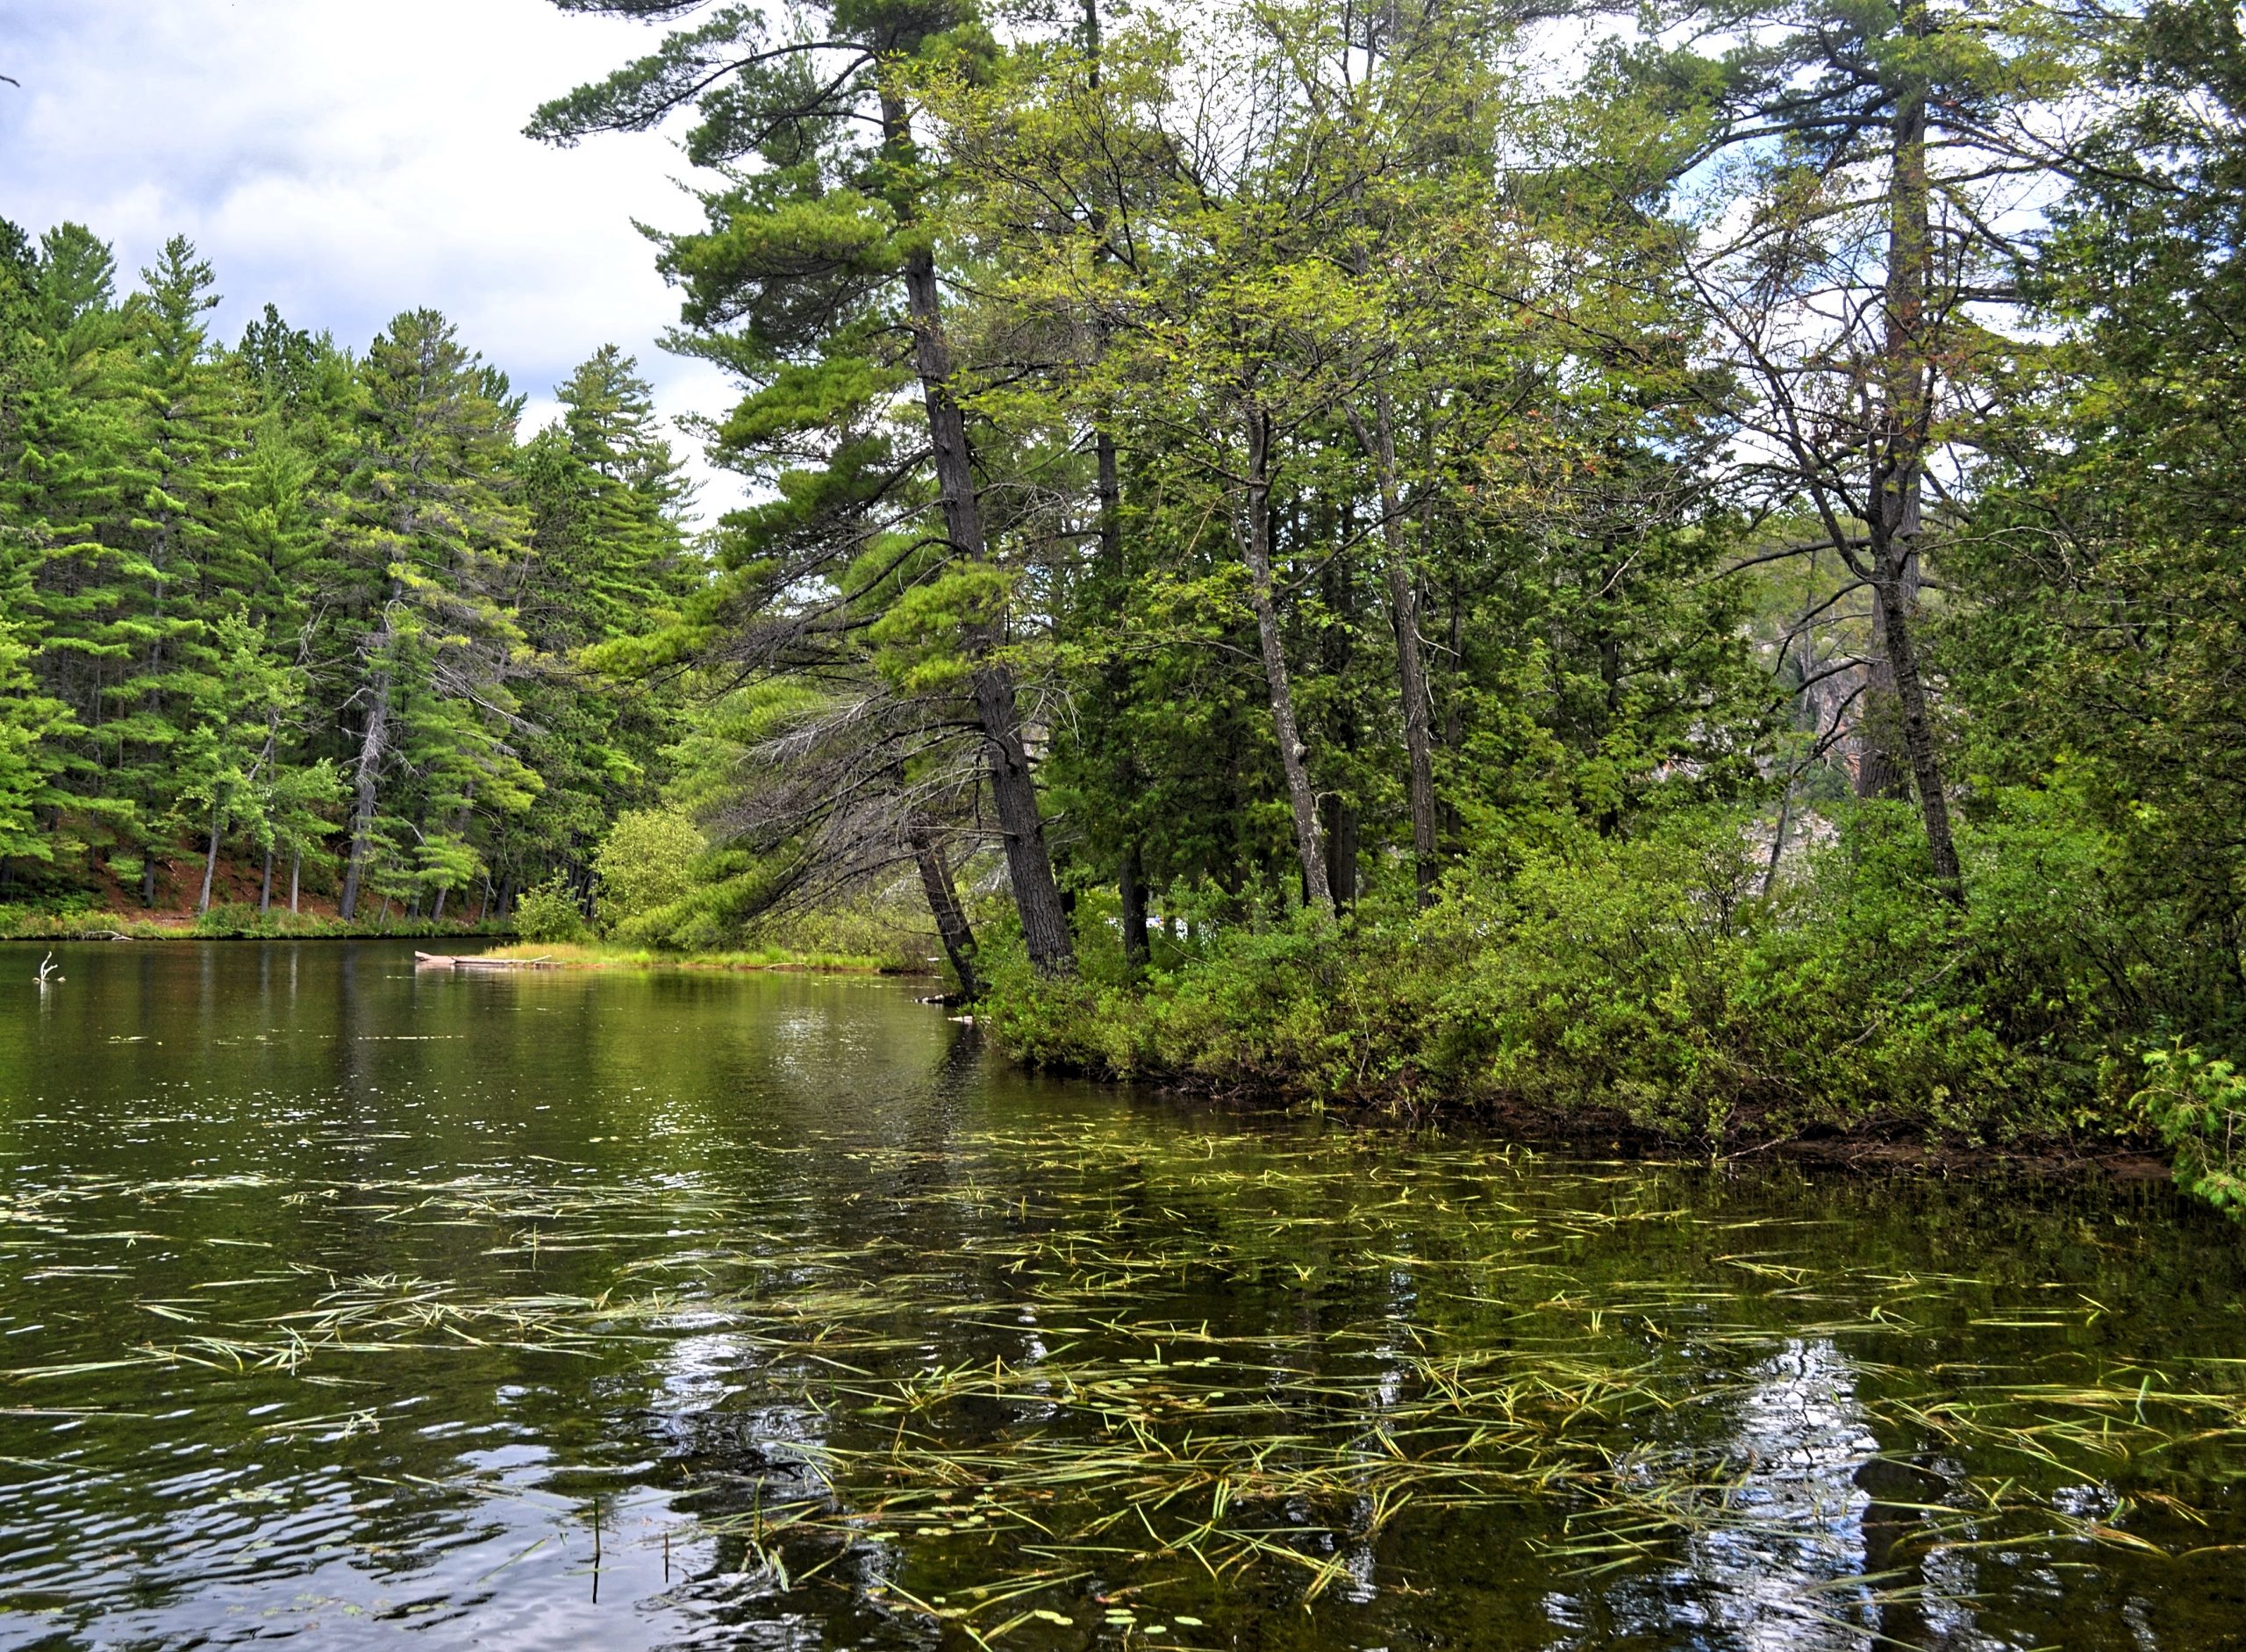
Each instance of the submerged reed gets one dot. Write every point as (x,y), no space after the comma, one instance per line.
(1022,1379)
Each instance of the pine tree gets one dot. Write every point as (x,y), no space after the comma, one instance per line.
(34,727)
(198,573)
(605,561)
(817,283)
(428,534)
(78,476)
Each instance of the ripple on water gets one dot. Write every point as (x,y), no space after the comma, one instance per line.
(661,1311)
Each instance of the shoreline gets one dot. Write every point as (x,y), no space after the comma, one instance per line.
(142,930)
(500,944)
(583,955)
(1872,1149)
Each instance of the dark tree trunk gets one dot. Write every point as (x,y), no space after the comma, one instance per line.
(265,885)
(1899,476)
(1130,884)
(1130,870)
(1342,851)
(1255,547)
(951,921)
(148,877)
(1918,732)
(1013,789)
(1130,877)
(1404,614)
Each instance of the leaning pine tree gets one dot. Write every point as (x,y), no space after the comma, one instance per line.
(817,281)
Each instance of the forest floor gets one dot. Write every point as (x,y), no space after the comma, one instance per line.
(110,909)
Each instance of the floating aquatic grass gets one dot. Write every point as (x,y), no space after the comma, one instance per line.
(1016,1362)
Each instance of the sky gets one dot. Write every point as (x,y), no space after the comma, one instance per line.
(346,161)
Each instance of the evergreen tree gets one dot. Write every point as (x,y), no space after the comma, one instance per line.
(79,477)
(33,728)
(817,283)
(429,530)
(605,562)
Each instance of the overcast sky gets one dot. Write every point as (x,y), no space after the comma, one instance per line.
(345,161)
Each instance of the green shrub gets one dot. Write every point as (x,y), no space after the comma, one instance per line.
(645,867)
(2198,1107)
(225,918)
(1596,978)
(550,912)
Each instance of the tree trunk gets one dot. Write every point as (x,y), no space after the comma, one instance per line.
(373,748)
(1879,770)
(1342,852)
(296,871)
(436,913)
(149,876)
(1130,870)
(1130,884)
(1895,515)
(1029,864)
(265,887)
(210,868)
(951,921)
(1255,546)
(1404,613)
(1130,874)
(1918,736)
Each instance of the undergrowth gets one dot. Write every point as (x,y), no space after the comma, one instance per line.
(1652,980)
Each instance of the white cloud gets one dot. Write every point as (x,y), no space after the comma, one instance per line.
(345,161)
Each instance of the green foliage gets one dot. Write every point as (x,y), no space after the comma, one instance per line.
(32,730)
(1380,461)
(1589,981)
(645,866)
(2199,1106)
(550,911)
(263,603)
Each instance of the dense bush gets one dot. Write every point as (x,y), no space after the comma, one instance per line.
(646,866)
(2199,1106)
(550,912)
(1597,979)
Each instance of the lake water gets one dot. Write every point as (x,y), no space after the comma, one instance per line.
(371,1308)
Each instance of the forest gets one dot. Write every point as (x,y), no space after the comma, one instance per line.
(1674,570)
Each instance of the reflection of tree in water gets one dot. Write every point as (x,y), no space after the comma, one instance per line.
(1812,1550)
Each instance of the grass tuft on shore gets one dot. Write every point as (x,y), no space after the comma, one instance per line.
(595,954)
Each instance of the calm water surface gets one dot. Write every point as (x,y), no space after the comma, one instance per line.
(362,1308)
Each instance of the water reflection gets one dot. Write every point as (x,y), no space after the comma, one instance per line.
(676,1311)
